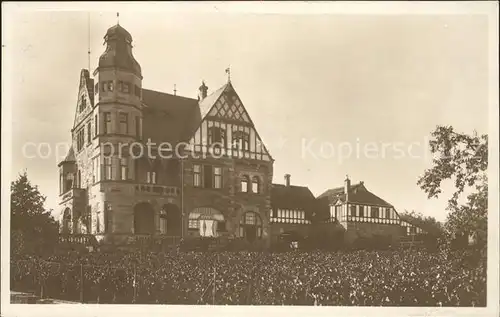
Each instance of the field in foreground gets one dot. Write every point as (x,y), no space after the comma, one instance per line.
(361,278)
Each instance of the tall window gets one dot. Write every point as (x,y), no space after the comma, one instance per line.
(374,212)
(108,169)
(79,179)
(124,123)
(255,185)
(388,213)
(80,139)
(361,211)
(163,221)
(96,88)
(244,184)
(96,124)
(124,169)
(107,122)
(217,177)
(197,175)
(89,132)
(138,91)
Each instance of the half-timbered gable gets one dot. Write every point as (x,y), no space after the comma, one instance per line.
(226,128)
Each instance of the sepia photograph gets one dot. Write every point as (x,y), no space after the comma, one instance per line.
(159,158)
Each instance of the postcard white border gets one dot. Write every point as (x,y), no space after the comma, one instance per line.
(489,8)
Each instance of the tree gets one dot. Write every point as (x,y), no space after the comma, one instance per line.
(32,226)
(464,159)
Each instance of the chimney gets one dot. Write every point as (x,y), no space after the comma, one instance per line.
(347,187)
(203,91)
(287,180)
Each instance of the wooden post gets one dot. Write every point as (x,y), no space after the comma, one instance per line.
(81,282)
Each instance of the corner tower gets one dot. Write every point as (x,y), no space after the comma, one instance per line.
(118,114)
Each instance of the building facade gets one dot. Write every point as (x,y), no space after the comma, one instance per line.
(148,163)
(143,162)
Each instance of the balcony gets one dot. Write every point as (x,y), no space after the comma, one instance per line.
(73,193)
(160,190)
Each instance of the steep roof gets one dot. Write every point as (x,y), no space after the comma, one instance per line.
(292,197)
(208,102)
(357,194)
(168,118)
(70,157)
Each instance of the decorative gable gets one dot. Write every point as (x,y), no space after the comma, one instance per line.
(85,99)
(226,128)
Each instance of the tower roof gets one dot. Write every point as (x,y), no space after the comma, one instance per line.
(119,32)
(118,52)
(70,157)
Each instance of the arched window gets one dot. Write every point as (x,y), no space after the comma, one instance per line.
(69,181)
(244,184)
(66,221)
(251,226)
(255,185)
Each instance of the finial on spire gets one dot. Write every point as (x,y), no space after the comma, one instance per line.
(175,90)
(118,18)
(228,72)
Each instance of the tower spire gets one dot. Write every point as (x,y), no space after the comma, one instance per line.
(175,90)
(118,18)
(88,22)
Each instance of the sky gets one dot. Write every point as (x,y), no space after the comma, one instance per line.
(314,85)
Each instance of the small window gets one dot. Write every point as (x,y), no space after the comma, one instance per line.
(96,89)
(151,177)
(126,88)
(244,184)
(217,177)
(361,211)
(197,175)
(96,124)
(107,168)
(374,212)
(89,132)
(104,86)
(388,213)
(138,91)
(124,123)
(124,169)
(255,185)
(353,210)
(107,122)
(111,86)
